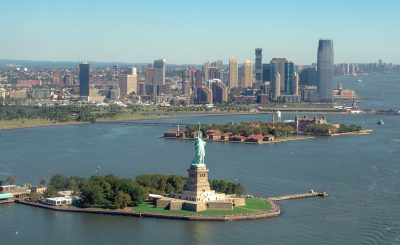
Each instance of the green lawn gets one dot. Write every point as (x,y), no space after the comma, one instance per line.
(253,205)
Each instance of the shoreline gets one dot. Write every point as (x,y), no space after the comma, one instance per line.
(274,212)
(170,115)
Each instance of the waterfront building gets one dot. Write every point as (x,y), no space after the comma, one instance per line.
(276,87)
(278,66)
(258,65)
(325,67)
(58,201)
(6,197)
(219,91)
(159,71)
(343,94)
(204,95)
(84,71)
(233,73)
(247,74)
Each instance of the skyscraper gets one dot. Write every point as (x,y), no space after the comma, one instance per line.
(132,85)
(325,68)
(258,64)
(233,73)
(149,75)
(128,83)
(289,72)
(276,87)
(266,72)
(220,91)
(84,79)
(278,66)
(204,95)
(56,77)
(159,72)
(247,74)
(294,88)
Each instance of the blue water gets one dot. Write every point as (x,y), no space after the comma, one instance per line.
(361,173)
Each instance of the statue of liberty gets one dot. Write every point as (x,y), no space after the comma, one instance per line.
(199,145)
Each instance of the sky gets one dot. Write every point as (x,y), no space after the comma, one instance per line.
(192,32)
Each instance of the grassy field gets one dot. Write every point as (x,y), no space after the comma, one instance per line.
(25,123)
(253,205)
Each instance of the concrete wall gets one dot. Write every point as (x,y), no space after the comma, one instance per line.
(175,205)
(196,207)
(162,203)
(238,201)
(220,206)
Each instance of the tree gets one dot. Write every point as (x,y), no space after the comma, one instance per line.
(59,181)
(50,192)
(92,194)
(11,180)
(73,185)
(42,182)
(122,200)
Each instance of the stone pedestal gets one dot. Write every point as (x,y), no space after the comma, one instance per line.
(197,181)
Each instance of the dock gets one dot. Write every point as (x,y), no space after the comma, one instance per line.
(311,193)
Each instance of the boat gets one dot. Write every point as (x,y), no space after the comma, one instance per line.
(381,122)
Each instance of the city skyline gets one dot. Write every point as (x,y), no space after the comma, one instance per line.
(142,32)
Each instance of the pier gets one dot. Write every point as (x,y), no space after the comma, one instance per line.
(311,193)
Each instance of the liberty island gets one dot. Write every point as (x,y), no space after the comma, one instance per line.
(197,195)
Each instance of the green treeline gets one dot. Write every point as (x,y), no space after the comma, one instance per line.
(57,113)
(246,129)
(114,192)
(227,187)
(325,129)
(349,128)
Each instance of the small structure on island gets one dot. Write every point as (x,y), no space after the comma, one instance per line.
(197,194)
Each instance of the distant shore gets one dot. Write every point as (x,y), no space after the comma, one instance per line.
(36,123)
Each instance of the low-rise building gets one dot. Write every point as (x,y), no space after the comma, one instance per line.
(6,197)
(255,138)
(38,189)
(237,138)
(7,188)
(58,201)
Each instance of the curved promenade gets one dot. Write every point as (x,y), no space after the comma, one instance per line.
(275,211)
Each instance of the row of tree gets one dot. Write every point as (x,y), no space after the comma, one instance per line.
(114,192)
(57,113)
(324,129)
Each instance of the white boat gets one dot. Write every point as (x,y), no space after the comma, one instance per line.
(381,122)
